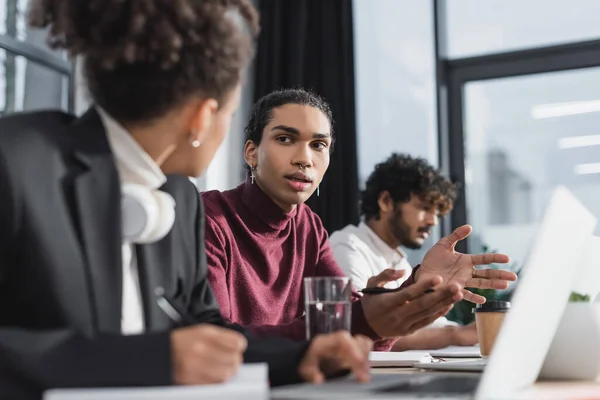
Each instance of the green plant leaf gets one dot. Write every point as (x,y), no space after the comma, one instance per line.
(579,298)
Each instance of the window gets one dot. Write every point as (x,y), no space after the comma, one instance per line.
(32,76)
(20,83)
(476,27)
(524,136)
(395,85)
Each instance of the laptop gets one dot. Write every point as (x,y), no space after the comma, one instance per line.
(538,302)
(573,352)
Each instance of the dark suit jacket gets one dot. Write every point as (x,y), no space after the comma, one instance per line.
(60,266)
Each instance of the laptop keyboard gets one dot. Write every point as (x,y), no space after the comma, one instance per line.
(448,385)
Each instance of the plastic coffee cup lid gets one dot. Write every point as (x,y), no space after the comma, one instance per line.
(493,306)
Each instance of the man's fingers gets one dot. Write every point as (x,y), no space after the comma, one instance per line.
(491,279)
(223,338)
(344,351)
(495,274)
(481,283)
(457,235)
(414,291)
(351,353)
(309,368)
(354,354)
(431,303)
(388,275)
(489,258)
(472,297)
(217,374)
(311,373)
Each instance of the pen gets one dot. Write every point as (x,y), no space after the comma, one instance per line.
(170,308)
(380,290)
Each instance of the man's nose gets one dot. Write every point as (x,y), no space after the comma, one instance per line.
(303,156)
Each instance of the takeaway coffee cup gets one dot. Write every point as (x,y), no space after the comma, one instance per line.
(489,317)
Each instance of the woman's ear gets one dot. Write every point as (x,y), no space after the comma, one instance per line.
(202,121)
(251,153)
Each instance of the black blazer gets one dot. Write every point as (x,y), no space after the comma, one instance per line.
(60,266)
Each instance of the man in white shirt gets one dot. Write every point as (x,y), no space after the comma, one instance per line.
(404,198)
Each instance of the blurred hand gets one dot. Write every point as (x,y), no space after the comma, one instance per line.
(335,352)
(465,335)
(205,354)
(387,275)
(405,311)
(457,268)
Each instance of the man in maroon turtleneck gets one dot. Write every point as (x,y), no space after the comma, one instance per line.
(262,240)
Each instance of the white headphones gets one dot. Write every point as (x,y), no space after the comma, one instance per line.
(147,215)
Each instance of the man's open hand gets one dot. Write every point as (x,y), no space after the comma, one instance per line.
(457,268)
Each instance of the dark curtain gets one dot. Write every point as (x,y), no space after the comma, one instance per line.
(309,44)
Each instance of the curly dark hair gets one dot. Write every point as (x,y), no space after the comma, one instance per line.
(262,113)
(402,176)
(142,58)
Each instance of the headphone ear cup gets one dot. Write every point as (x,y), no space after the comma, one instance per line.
(165,216)
(139,212)
(147,215)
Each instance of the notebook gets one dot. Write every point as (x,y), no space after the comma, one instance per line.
(456,352)
(397,359)
(250,383)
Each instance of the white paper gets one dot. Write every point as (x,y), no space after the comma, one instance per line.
(456,352)
(250,383)
(397,359)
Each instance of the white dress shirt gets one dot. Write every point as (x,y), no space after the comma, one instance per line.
(361,254)
(134,166)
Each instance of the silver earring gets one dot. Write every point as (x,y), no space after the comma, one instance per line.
(318,191)
(252,175)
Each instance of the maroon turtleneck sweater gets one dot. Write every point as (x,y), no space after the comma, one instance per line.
(258,256)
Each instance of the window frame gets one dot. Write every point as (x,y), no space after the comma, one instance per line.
(44,58)
(453,74)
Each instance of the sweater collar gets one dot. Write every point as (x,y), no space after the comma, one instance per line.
(263,207)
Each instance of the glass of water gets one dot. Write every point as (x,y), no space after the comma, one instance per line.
(328,305)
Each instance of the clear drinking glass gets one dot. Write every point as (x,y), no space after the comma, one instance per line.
(328,305)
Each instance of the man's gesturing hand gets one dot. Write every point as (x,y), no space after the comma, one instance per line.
(403,312)
(454,267)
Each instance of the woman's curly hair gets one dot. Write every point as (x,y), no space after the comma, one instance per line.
(402,176)
(144,57)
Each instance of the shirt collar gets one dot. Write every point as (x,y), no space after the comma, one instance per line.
(133,163)
(392,256)
(263,207)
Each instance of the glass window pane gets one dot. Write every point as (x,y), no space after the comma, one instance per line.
(395,86)
(25,85)
(13,23)
(523,137)
(13,18)
(478,27)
